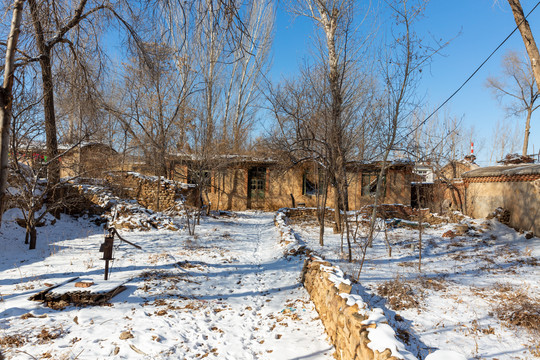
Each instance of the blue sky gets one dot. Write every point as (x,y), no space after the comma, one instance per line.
(477,26)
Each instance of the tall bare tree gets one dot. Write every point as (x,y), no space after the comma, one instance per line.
(248,69)
(401,61)
(6,97)
(517,83)
(52,26)
(528,38)
(339,49)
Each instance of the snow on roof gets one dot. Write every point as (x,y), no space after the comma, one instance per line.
(504,170)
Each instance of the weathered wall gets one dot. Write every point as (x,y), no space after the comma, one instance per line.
(348,323)
(228,190)
(92,161)
(145,190)
(521,198)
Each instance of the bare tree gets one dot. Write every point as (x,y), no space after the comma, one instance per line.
(505,139)
(517,83)
(528,39)
(6,97)
(155,101)
(51,28)
(248,69)
(401,62)
(318,115)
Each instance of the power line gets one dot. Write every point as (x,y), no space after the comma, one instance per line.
(473,74)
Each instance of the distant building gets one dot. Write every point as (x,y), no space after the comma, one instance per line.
(425,171)
(515,188)
(248,183)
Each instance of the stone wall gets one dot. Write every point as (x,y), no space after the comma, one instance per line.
(357,332)
(354,330)
(145,190)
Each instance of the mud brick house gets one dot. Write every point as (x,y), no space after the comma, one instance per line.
(241,183)
(455,169)
(87,160)
(515,188)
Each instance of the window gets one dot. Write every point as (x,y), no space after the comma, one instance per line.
(312,183)
(369,184)
(199,177)
(256,182)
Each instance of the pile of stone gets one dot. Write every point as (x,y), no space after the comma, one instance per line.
(152,192)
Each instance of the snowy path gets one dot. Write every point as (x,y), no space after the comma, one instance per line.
(226,293)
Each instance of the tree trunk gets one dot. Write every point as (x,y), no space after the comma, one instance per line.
(337,211)
(6,99)
(420,228)
(31,229)
(322,210)
(528,39)
(33,238)
(53,171)
(527,131)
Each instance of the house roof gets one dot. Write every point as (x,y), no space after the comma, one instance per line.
(504,170)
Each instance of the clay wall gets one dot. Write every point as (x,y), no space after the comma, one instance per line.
(521,198)
(228,189)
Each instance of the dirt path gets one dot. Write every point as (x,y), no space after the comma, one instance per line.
(268,314)
(225,293)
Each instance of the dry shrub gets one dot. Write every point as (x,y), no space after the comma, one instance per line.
(47,335)
(518,309)
(534,349)
(13,341)
(399,294)
(432,283)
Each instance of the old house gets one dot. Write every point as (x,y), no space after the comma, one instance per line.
(455,168)
(240,183)
(88,160)
(515,188)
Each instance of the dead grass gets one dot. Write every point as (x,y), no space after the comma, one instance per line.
(13,341)
(518,309)
(399,294)
(405,294)
(48,335)
(513,306)
(436,284)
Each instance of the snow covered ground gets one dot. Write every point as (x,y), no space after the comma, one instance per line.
(471,292)
(225,293)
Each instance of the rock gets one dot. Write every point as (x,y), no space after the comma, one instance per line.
(84,284)
(449,234)
(126,335)
(461,229)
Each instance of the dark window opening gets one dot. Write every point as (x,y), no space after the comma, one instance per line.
(369,184)
(256,182)
(199,177)
(312,184)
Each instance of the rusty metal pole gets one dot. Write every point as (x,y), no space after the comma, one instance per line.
(106,269)
(107,249)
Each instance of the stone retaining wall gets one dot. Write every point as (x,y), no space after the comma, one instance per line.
(145,190)
(355,331)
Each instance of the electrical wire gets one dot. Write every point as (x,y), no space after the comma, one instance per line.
(472,75)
